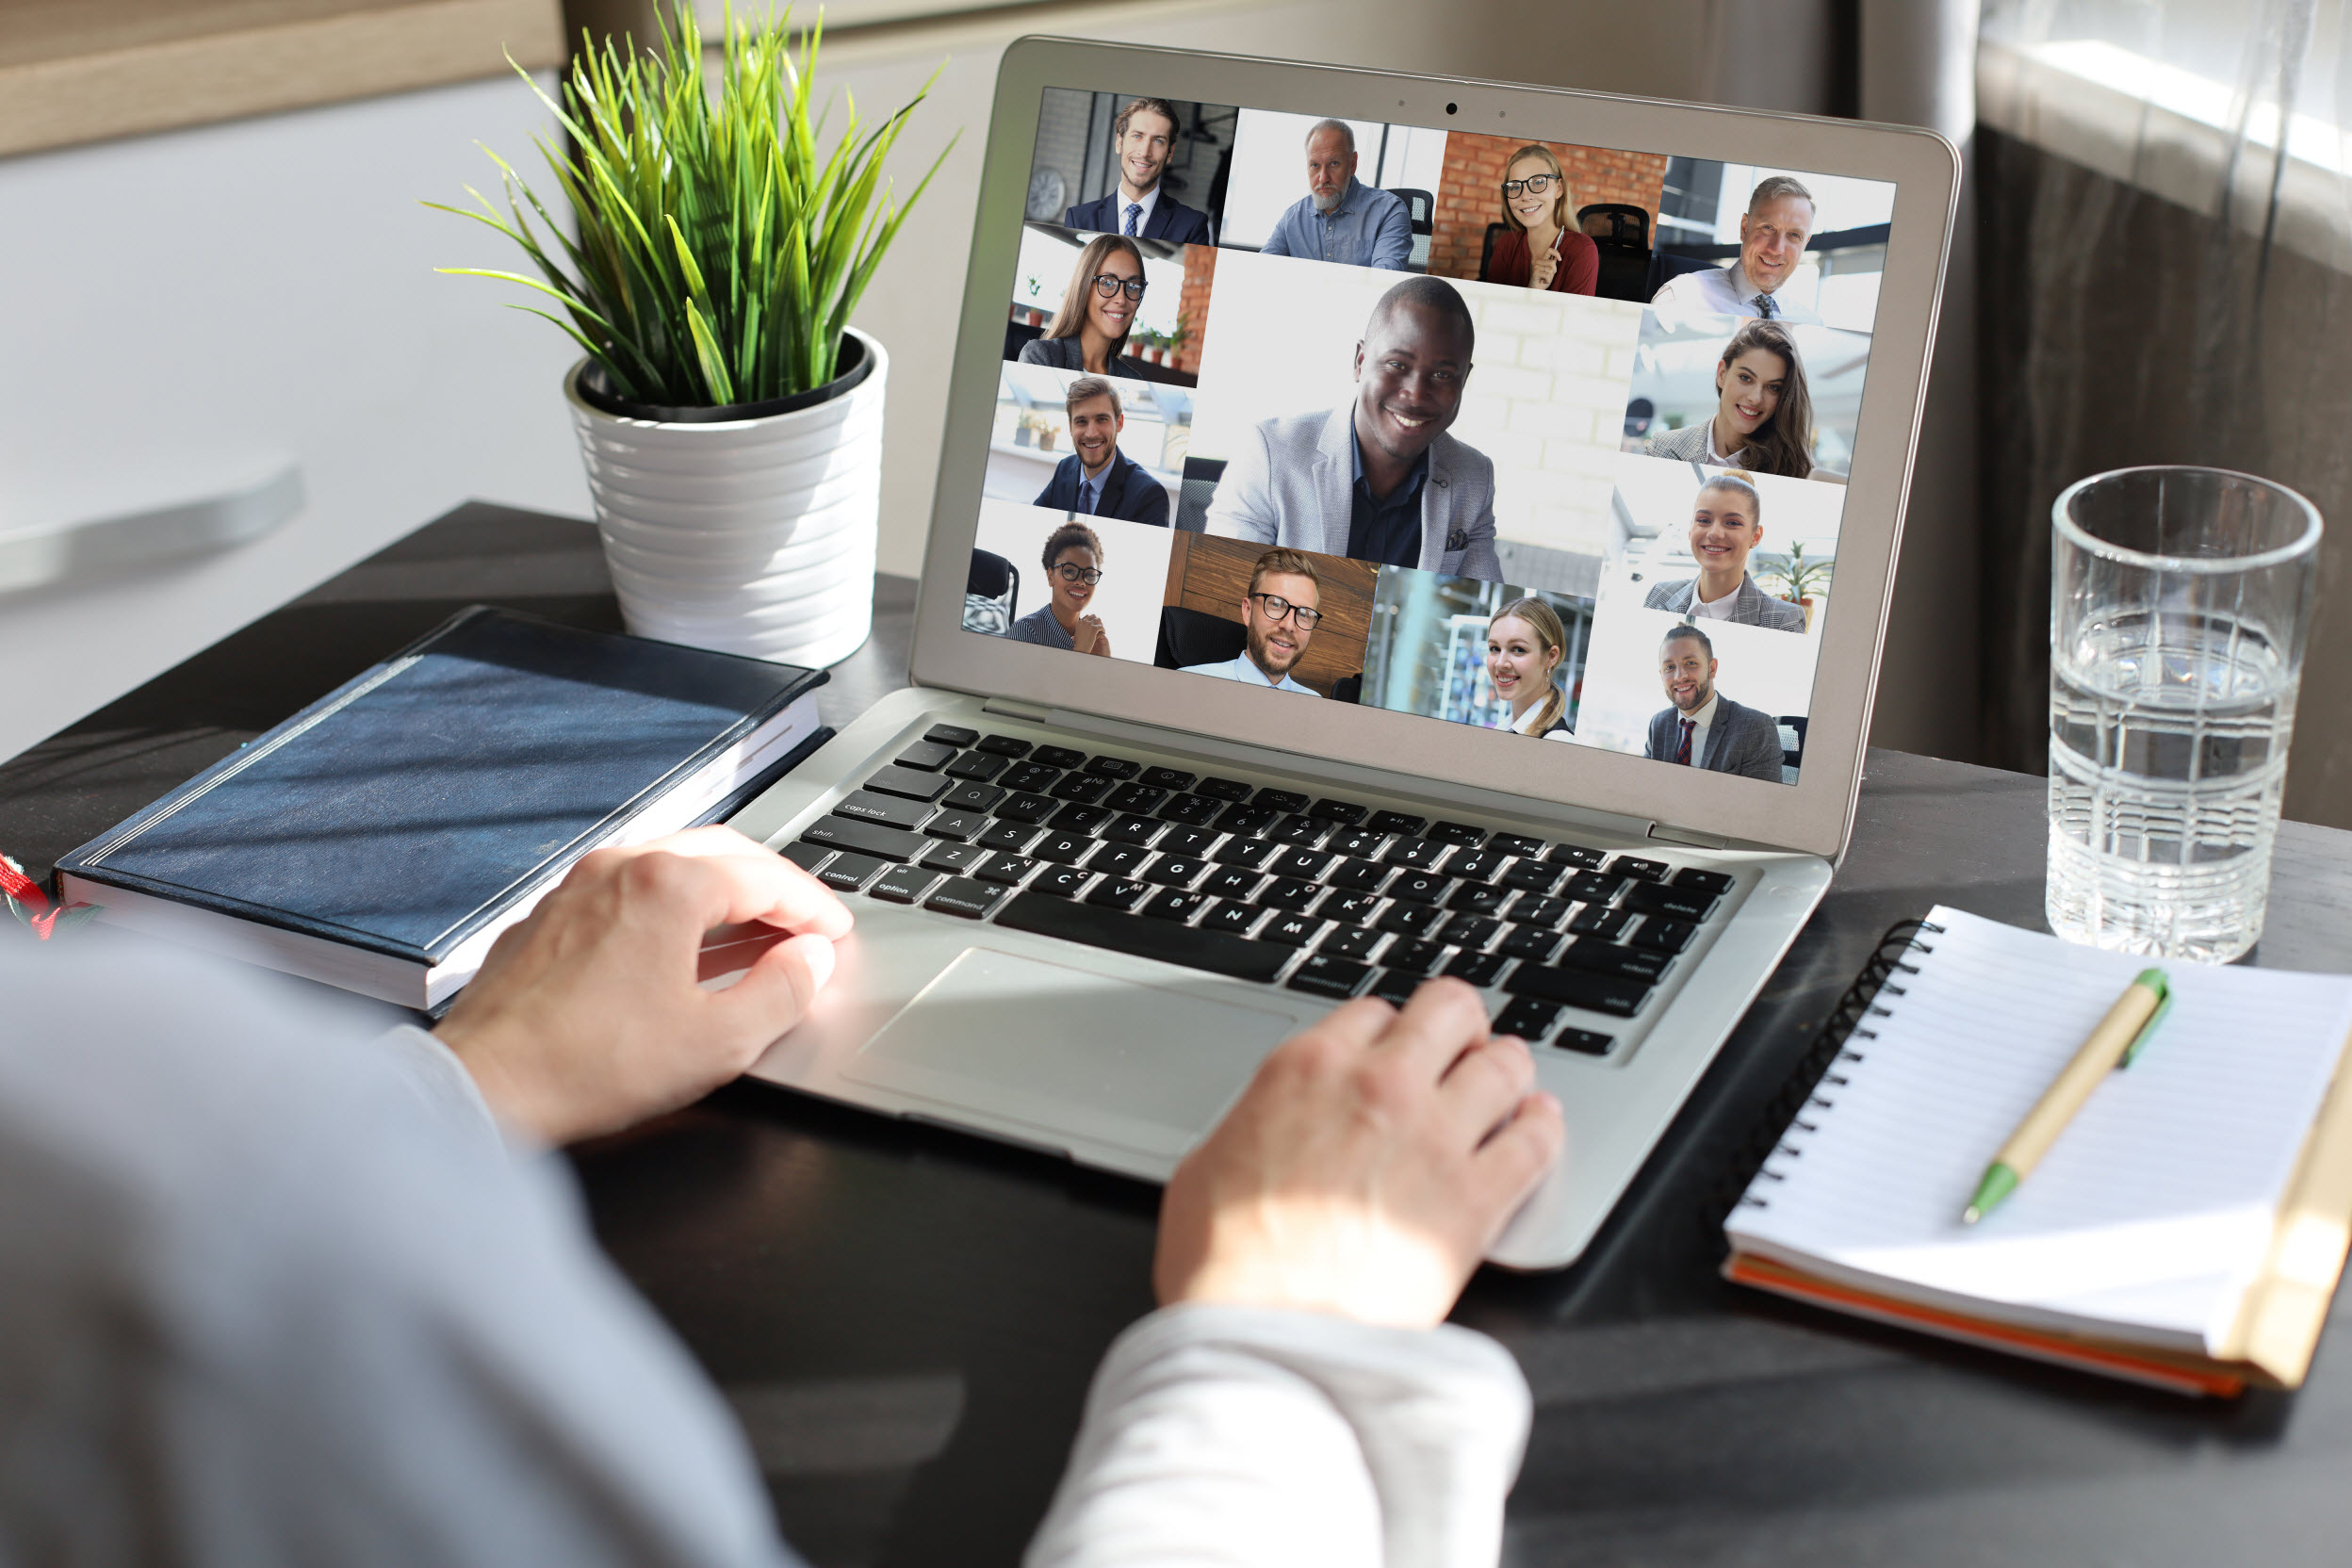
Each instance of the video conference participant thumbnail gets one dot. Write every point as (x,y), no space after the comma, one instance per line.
(1073,565)
(1763,418)
(1380,480)
(1772,236)
(1089,331)
(1341,219)
(1097,478)
(1704,729)
(1726,524)
(1526,646)
(1540,248)
(1143,139)
(1279,613)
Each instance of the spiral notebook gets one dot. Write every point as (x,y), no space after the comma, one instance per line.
(2188,1228)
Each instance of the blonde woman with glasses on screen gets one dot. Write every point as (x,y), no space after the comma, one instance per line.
(1763,415)
(1089,332)
(1073,564)
(1540,248)
(1525,645)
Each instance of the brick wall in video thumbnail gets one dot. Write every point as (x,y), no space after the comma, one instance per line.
(1192,304)
(1472,195)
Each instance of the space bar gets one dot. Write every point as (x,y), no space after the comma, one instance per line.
(1144,937)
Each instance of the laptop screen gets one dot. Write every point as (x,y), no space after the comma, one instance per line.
(1532,436)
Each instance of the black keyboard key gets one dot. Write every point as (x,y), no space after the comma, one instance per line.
(1579,988)
(927,755)
(1194,841)
(1527,1017)
(1355,909)
(1195,810)
(961,895)
(1134,798)
(807,856)
(866,838)
(1420,854)
(1289,892)
(1633,865)
(1167,779)
(1084,788)
(1593,886)
(1075,818)
(1057,757)
(903,884)
(1007,869)
(1252,853)
(1060,881)
(1196,947)
(1028,807)
(1303,831)
(1222,789)
(1584,1040)
(890,811)
(1350,942)
(1470,931)
(1004,745)
(1474,865)
(971,797)
(959,825)
(1531,877)
(1673,902)
(1176,904)
(908,782)
(1290,930)
(1232,917)
(1117,859)
(1529,941)
(1409,957)
(1346,811)
(1412,920)
(1538,909)
(1279,800)
(1309,863)
(951,735)
(978,765)
(1476,899)
(1607,925)
(1397,821)
(1132,830)
(1247,820)
(1394,985)
(1630,963)
(1664,935)
(1702,881)
(1360,875)
(1457,833)
(1354,841)
(1013,835)
(1063,849)
(1028,776)
(1115,892)
(1419,886)
(1480,968)
(1175,871)
(1578,856)
(953,857)
(847,873)
(1327,975)
(1113,767)
(1515,843)
(1237,882)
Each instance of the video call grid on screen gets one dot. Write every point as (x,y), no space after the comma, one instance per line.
(1533,436)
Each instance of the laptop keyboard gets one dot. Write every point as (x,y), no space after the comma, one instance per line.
(1328,896)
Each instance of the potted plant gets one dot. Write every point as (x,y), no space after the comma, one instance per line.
(1799,577)
(729,415)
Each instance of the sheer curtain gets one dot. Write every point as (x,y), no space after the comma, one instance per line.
(2164,276)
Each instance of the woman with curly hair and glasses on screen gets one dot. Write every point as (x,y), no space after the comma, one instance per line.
(1073,564)
(1089,332)
(1763,415)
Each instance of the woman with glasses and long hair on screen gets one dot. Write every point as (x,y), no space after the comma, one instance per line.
(1763,415)
(1526,646)
(1089,332)
(1073,564)
(1540,246)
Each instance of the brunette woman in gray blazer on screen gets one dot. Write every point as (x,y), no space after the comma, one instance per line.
(1763,416)
(1089,332)
(1726,521)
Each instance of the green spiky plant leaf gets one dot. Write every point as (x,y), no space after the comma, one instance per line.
(719,254)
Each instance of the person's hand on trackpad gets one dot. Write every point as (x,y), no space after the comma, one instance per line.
(1370,1163)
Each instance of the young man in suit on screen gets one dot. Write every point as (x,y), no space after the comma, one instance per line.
(1098,479)
(1703,729)
(1145,136)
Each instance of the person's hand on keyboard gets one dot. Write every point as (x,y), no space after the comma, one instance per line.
(1368,1168)
(587,1016)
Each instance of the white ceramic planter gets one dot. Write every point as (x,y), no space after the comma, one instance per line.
(753,536)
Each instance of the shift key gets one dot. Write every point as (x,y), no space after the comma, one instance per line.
(866,838)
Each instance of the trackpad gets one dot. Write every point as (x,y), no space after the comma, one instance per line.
(1147,1068)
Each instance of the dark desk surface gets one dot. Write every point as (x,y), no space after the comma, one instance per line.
(907,1320)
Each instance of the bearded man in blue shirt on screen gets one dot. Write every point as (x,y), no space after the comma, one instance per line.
(1340,217)
(1279,615)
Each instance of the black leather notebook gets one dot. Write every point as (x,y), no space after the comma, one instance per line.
(382,838)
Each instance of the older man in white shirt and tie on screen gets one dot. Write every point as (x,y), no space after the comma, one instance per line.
(1773,233)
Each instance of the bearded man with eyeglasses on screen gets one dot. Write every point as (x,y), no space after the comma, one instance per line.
(1279,615)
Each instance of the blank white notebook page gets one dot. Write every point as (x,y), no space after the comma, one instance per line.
(2153,1211)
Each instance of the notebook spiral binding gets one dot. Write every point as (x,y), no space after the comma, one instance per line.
(1814,1081)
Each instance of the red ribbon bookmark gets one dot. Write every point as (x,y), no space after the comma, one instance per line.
(25,897)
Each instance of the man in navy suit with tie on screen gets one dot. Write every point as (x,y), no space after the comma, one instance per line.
(1097,477)
(1145,136)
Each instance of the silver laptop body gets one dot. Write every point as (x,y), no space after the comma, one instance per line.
(1093,891)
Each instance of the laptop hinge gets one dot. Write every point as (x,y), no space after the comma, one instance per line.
(1684,836)
(1008,708)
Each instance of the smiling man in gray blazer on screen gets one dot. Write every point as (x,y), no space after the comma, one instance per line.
(1378,479)
(1704,729)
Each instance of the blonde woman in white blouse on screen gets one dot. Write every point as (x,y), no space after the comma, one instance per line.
(1526,646)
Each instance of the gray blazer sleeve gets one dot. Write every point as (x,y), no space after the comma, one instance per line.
(1243,506)
(1753,750)
(1687,444)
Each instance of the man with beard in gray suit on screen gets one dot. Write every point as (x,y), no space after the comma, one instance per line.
(1704,729)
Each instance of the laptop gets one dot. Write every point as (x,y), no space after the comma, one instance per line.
(1387,525)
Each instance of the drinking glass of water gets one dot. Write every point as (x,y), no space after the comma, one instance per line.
(2180,599)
